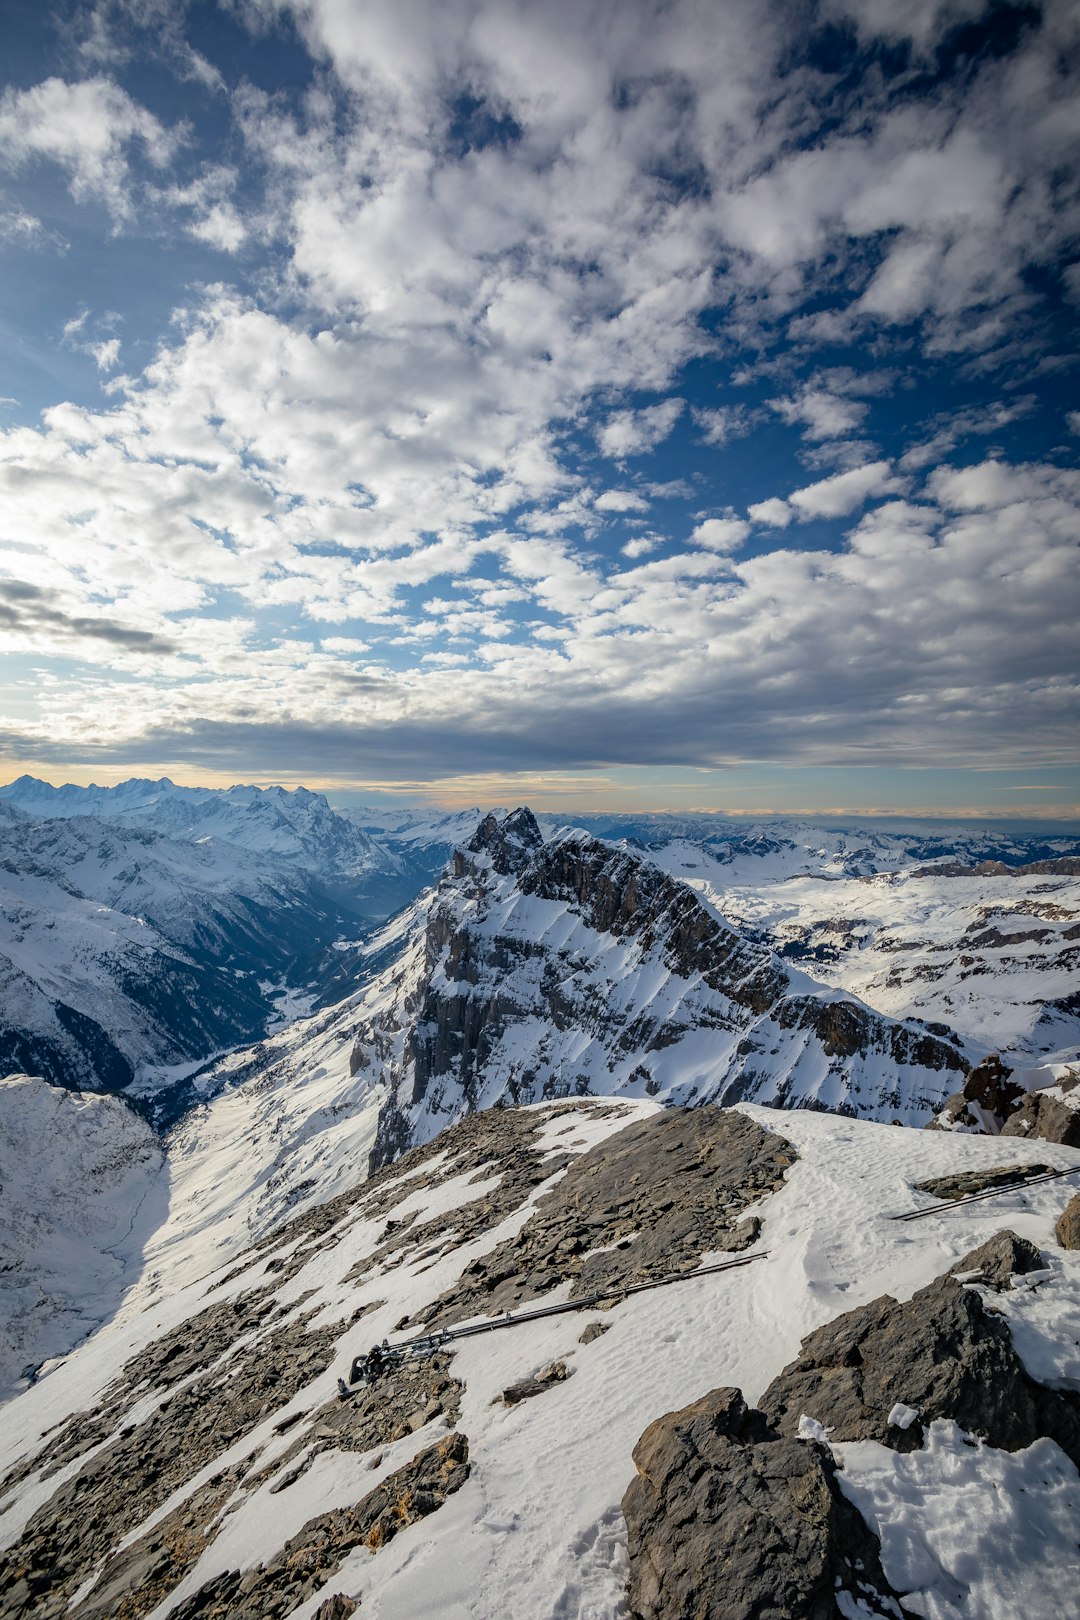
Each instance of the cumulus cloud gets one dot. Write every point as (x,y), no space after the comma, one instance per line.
(774,512)
(715,659)
(843,492)
(621,500)
(632,433)
(88,128)
(721,534)
(490,230)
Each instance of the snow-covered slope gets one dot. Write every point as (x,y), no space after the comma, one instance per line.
(193,1457)
(993,954)
(81,1189)
(122,950)
(146,928)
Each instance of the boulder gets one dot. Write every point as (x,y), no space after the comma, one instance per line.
(944,1353)
(726,1521)
(1068,1226)
(1047,1117)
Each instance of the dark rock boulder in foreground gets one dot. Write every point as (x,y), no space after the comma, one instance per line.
(728,1521)
(733,1516)
(944,1354)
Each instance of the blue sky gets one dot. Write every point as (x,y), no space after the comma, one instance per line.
(627,404)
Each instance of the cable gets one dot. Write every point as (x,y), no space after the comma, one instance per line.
(987,1192)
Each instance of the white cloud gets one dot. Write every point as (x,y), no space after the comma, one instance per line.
(841,494)
(621,500)
(632,433)
(722,423)
(774,512)
(721,534)
(823,414)
(87,129)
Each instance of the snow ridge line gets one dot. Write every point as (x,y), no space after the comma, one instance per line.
(988,1192)
(365,1368)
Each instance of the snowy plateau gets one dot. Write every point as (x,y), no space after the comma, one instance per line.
(289,1081)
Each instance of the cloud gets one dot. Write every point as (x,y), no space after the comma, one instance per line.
(774,512)
(632,433)
(721,534)
(463,254)
(88,129)
(621,500)
(38,618)
(948,430)
(823,414)
(879,653)
(837,496)
(722,423)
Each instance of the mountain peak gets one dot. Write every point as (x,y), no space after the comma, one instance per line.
(510,842)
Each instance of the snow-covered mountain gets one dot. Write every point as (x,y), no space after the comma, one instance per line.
(989,946)
(146,928)
(559,967)
(296,826)
(81,1187)
(193,1458)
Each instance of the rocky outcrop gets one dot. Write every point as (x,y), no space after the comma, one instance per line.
(728,1521)
(509,843)
(648,1201)
(943,1354)
(1046,1117)
(309,1559)
(962,1183)
(1068,1226)
(985,1100)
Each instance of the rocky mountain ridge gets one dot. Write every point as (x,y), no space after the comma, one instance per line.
(194,1459)
(560,966)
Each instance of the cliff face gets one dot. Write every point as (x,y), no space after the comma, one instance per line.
(567,967)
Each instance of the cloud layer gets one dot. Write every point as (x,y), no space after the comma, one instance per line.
(468,458)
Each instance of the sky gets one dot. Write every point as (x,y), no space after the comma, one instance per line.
(623,403)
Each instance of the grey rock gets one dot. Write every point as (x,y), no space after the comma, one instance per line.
(1045,1117)
(593,1331)
(998,1260)
(1068,1226)
(557,1372)
(943,1352)
(726,1521)
(965,1182)
(317,1551)
(338,1607)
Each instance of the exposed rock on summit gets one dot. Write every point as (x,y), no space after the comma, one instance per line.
(943,1353)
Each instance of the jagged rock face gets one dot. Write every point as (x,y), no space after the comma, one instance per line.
(509,842)
(728,1521)
(1048,1117)
(943,1354)
(568,967)
(1068,1226)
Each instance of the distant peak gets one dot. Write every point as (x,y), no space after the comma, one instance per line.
(509,842)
